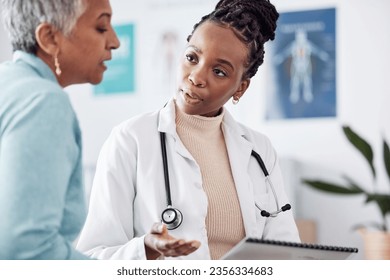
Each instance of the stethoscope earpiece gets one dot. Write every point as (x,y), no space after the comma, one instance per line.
(273,214)
(171,217)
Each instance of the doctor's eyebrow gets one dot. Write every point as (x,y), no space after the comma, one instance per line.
(219,60)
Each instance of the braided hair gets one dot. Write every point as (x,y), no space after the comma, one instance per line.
(253,22)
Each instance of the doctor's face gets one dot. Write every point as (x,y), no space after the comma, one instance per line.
(211,70)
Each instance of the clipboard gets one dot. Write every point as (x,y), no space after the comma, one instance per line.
(260,249)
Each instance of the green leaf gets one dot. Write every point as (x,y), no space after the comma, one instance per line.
(386,157)
(353,184)
(362,146)
(332,188)
(382,200)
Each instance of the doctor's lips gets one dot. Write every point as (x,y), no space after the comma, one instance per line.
(191,97)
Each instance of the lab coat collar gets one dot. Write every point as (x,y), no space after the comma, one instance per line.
(167,124)
(166,119)
(231,124)
(237,135)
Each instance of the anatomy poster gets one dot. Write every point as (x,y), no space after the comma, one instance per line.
(303,66)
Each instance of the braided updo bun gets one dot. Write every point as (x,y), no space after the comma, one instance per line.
(254,23)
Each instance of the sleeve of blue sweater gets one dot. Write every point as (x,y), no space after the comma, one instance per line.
(40,184)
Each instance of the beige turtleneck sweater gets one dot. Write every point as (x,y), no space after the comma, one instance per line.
(203,137)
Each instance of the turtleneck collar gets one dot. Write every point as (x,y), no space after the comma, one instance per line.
(199,123)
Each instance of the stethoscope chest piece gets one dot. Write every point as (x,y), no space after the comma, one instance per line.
(171,217)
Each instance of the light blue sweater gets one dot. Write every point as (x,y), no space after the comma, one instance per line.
(42,205)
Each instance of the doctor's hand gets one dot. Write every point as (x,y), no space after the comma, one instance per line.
(160,242)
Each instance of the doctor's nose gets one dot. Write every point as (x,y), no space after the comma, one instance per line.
(197,79)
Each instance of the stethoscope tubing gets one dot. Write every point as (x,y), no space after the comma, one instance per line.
(166,172)
(176,224)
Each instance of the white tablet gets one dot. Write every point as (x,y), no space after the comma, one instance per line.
(260,249)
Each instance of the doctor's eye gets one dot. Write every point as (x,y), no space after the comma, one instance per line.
(219,72)
(191,58)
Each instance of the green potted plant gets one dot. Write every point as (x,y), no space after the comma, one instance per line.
(377,241)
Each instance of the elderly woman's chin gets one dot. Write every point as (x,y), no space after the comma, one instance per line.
(96,80)
(98,76)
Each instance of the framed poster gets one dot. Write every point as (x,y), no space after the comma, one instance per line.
(120,75)
(303,66)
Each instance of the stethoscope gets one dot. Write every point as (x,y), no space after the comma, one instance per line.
(172,217)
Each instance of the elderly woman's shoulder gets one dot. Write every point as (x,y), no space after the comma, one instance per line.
(25,90)
(20,81)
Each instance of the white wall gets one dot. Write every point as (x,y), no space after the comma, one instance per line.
(316,146)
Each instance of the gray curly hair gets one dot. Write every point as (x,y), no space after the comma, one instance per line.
(21,18)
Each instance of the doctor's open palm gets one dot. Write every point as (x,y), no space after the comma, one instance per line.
(159,242)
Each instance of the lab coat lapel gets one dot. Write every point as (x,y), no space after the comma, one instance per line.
(239,150)
(167,124)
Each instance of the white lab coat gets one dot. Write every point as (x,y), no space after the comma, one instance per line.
(128,193)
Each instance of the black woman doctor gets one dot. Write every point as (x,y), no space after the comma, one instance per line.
(214,192)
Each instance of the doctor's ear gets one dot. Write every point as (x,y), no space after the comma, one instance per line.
(241,89)
(47,37)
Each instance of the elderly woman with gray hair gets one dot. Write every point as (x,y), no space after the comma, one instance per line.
(56,43)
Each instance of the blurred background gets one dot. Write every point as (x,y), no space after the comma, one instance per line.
(347,47)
